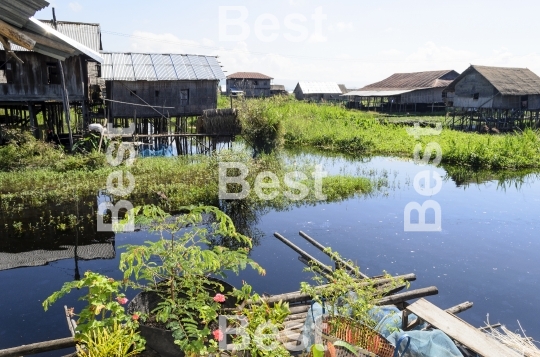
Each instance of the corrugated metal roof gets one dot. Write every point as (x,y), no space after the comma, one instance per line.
(375,93)
(416,80)
(163,67)
(508,81)
(318,88)
(248,75)
(33,26)
(17,12)
(88,34)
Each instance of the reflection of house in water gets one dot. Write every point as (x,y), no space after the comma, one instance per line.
(43,257)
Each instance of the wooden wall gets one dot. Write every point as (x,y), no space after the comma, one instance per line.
(30,79)
(468,86)
(202,95)
(423,96)
(261,89)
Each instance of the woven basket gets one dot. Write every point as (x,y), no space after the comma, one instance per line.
(366,341)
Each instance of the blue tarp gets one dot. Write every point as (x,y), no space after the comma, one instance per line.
(423,343)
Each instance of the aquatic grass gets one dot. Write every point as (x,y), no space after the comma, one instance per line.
(334,128)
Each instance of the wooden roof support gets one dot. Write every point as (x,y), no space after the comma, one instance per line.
(16,36)
(7,46)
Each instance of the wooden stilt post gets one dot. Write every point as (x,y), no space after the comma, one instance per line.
(65,95)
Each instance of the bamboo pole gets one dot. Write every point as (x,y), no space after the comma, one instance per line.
(325,268)
(409,295)
(39,347)
(297,296)
(323,249)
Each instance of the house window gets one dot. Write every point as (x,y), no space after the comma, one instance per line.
(255,83)
(184,96)
(524,101)
(475,96)
(98,70)
(132,93)
(53,73)
(157,93)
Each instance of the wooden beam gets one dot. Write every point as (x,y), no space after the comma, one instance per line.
(16,36)
(7,46)
(409,295)
(38,347)
(325,268)
(45,41)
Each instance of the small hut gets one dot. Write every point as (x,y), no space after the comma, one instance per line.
(317,91)
(278,89)
(416,91)
(250,84)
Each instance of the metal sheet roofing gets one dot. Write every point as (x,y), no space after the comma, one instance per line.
(416,80)
(318,88)
(88,34)
(508,81)
(374,93)
(17,12)
(248,75)
(162,67)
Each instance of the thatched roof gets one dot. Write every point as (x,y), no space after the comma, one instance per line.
(508,81)
(416,80)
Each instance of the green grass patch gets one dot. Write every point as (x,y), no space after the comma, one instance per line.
(332,127)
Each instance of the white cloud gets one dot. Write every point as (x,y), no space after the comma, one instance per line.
(143,41)
(341,27)
(75,6)
(339,67)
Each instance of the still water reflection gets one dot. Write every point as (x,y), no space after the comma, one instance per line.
(487,251)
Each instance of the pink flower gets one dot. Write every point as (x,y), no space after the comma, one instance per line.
(219,298)
(218,335)
(122,300)
(135,317)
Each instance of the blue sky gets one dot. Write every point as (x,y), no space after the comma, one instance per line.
(351,42)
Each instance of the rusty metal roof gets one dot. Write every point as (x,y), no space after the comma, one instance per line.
(159,67)
(248,75)
(416,80)
(507,80)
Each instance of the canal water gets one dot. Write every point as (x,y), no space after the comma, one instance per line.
(487,250)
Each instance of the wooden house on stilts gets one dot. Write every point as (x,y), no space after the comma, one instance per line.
(43,70)
(162,94)
(418,91)
(499,97)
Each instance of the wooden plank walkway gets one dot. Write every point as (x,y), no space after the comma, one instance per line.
(460,331)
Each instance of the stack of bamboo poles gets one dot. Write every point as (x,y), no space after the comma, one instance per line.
(219,122)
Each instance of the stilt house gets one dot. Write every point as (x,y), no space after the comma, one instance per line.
(405,91)
(31,53)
